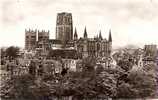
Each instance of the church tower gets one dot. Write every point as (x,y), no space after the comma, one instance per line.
(30,39)
(64,27)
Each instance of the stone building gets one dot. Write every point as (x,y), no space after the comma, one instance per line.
(150,50)
(96,47)
(64,27)
(30,39)
(55,44)
(37,41)
(66,42)
(150,54)
(70,64)
(43,40)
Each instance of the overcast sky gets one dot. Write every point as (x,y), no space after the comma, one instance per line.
(131,21)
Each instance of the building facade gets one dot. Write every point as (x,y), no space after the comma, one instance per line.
(35,39)
(30,39)
(94,47)
(66,42)
(64,27)
(43,40)
(150,50)
(150,54)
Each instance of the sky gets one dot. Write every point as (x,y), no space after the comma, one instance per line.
(131,21)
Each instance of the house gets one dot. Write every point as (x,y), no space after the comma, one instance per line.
(70,64)
(148,60)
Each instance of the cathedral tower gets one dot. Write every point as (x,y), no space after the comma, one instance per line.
(30,39)
(64,27)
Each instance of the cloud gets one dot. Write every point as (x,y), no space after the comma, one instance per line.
(7,15)
(14,11)
(123,16)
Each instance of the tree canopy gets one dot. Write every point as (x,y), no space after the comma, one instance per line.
(141,83)
(12,52)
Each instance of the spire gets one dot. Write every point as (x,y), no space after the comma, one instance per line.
(100,36)
(75,34)
(110,37)
(97,36)
(85,33)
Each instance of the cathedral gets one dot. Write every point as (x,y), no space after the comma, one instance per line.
(67,41)
(96,47)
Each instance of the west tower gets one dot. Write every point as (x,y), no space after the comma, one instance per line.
(30,39)
(43,40)
(64,27)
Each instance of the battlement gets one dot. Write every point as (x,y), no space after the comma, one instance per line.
(43,31)
(30,30)
(64,13)
(36,31)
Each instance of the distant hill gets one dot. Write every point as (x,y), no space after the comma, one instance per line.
(129,46)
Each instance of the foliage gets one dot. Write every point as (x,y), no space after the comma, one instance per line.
(139,84)
(88,65)
(17,88)
(124,60)
(24,88)
(125,64)
(103,84)
(32,68)
(12,52)
(135,83)
(89,83)
(2,52)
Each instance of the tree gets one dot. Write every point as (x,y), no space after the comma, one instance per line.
(116,56)
(125,64)
(17,88)
(2,54)
(32,68)
(88,65)
(12,52)
(24,88)
(100,85)
(140,83)
(99,69)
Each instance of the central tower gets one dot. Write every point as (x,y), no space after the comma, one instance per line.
(64,27)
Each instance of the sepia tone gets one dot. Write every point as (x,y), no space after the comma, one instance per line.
(74,65)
